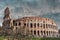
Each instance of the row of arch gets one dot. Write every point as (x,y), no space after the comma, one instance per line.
(47,33)
(42,25)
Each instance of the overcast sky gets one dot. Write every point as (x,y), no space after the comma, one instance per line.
(22,8)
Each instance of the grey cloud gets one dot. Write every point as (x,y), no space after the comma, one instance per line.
(20,8)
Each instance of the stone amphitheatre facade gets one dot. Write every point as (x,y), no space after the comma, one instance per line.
(37,26)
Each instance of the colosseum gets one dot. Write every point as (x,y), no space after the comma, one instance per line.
(37,26)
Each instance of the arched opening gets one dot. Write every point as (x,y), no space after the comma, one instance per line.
(44,32)
(38,24)
(31,25)
(38,32)
(19,23)
(43,25)
(15,24)
(34,32)
(31,31)
(24,24)
(34,25)
(47,33)
(41,32)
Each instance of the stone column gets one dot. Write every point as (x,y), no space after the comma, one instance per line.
(48,33)
(36,32)
(40,33)
(29,26)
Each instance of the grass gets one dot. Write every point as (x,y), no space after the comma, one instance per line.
(45,38)
(1,37)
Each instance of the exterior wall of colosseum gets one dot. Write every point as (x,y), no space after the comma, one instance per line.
(39,27)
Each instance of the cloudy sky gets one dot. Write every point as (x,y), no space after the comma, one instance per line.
(22,8)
